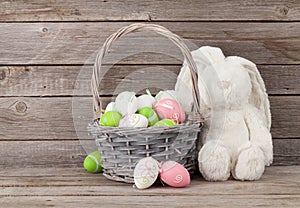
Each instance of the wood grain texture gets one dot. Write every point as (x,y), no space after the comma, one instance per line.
(247,201)
(73,187)
(23,154)
(66,154)
(75,80)
(65,180)
(281,107)
(57,118)
(97,185)
(101,189)
(76,43)
(112,10)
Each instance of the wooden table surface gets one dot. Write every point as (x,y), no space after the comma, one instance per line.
(74,187)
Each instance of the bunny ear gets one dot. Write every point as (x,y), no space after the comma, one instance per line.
(203,57)
(258,96)
(207,55)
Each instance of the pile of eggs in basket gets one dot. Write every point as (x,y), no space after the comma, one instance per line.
(143,111)
(146,111)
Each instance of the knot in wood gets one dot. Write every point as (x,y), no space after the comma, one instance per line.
(284,10)
(21,107)
(2,75)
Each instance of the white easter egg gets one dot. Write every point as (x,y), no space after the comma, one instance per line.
(111,107)
(145,101)
(126,103)
(134,120)
(146,172)
(166,94)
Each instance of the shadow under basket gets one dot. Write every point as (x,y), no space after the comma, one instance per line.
(122,148)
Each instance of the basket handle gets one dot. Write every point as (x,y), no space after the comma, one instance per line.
(143,27)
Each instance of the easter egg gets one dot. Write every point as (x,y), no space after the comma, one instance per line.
(111,107)
(145,172)
(126,103)
(110,118)
(134,120)
(150,114)
(169,109)
(165,122)
(145,101)
(174,174)
(92,162)
(166,94)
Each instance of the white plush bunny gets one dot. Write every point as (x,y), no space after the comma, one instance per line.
(236,136)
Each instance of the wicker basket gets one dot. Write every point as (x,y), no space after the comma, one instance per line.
(122,148)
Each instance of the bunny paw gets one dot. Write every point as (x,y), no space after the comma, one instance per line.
(250,164)
(214,162)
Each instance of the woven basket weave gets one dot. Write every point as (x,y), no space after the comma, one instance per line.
(121,147)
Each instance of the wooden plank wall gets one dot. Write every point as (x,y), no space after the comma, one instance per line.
(45,45)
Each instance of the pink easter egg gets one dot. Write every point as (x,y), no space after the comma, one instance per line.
(174,174)
(169,109)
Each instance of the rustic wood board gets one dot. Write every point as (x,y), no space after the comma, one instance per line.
(21,154)
(274,178)
(55,118)
(279,187)
(247,201)
(75,80)
(41,154)
(118,10)
(76,43)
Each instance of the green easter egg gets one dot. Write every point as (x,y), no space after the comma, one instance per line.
(110,118)
(165,122)
(150,114)
(92,162)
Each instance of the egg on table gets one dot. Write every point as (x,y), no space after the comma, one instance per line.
(174,174)
(92,162)
(146,172)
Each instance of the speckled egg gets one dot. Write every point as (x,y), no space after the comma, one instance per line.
(174,174)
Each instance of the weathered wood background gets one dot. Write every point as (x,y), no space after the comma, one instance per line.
(45,45)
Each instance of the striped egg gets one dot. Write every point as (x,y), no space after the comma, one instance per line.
(133,120)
